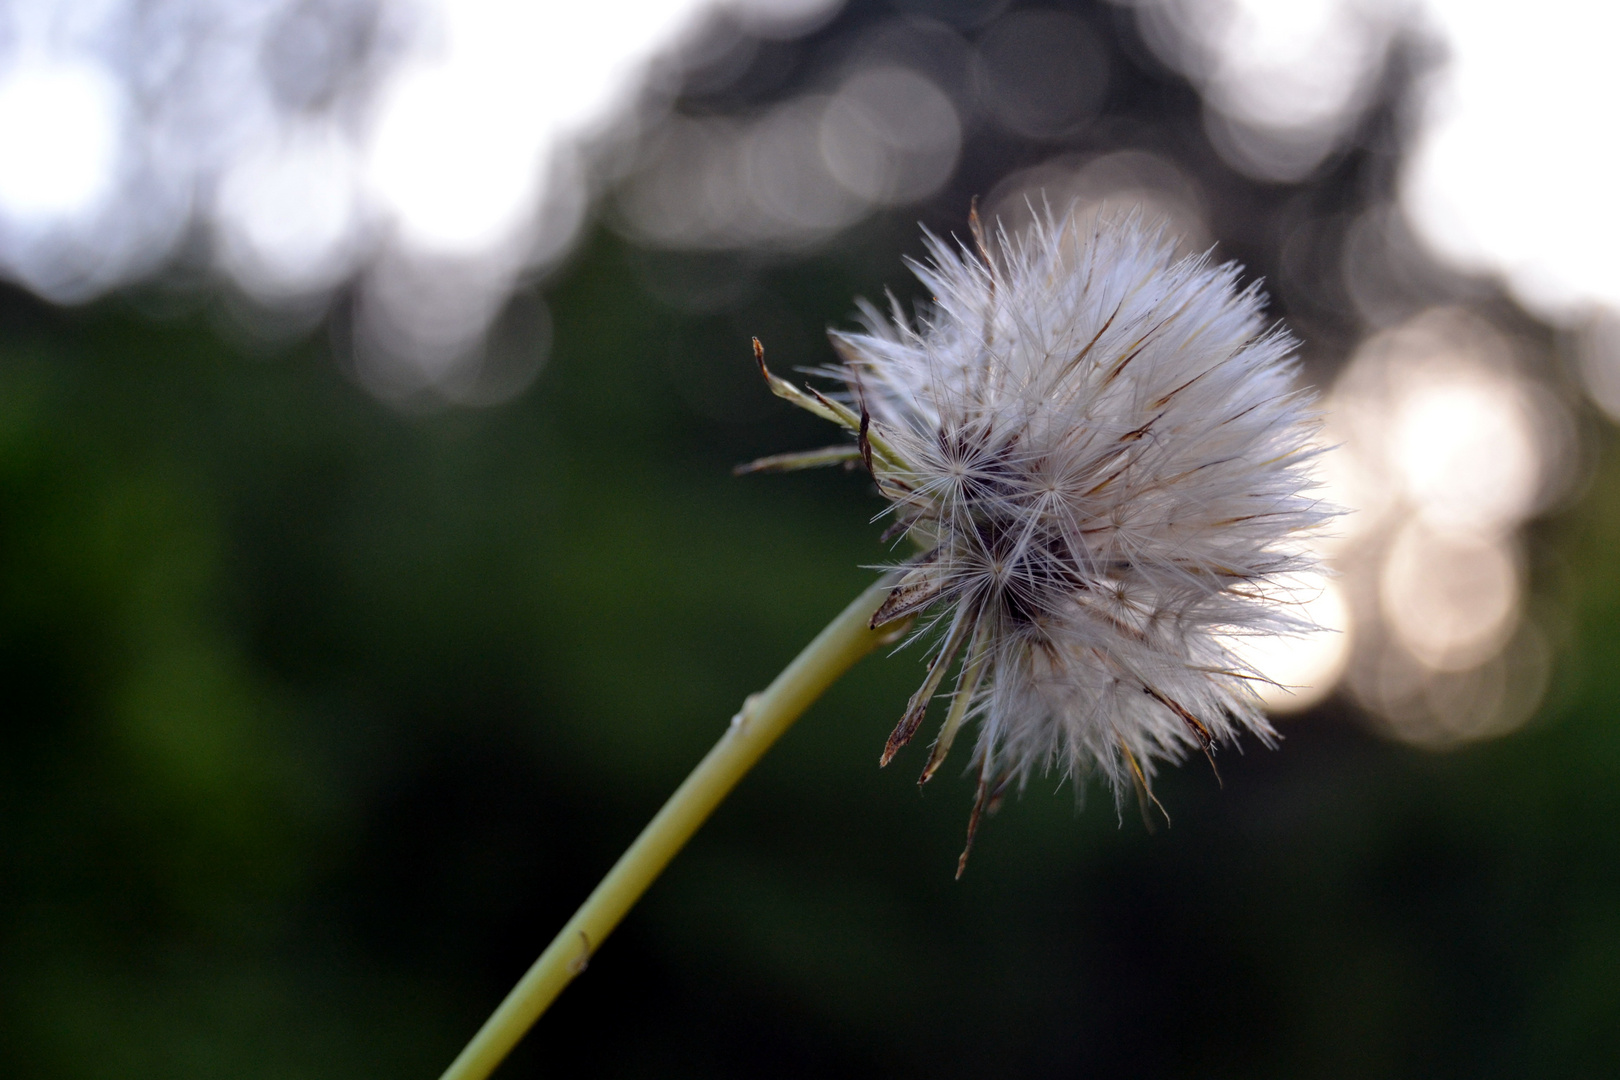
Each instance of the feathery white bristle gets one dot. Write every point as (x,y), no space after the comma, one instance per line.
(1103,453)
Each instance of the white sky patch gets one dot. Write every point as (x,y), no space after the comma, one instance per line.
(1464,443)
(60,127)
(1303,669)
(1290,63)
(1514,168)
(465,132)
(288,212)
(1283,80)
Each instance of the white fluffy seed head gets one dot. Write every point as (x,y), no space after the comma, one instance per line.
(1102,452)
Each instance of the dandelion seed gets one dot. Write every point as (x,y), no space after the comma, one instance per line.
(1102,454)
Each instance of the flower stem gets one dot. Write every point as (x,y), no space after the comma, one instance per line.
(763,719)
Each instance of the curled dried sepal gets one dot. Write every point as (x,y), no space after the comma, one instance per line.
(917,588)
(804,459)
(967,686)
(1144,790)
(917,707)
(986,801)
(819,404)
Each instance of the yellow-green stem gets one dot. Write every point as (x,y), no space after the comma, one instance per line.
(763,719)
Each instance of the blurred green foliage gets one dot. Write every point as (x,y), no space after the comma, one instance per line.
(320,718)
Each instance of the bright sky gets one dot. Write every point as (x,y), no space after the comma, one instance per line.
(466,132)
(59,137)
(1514,164)
(463,145)
(460,149)
(1515,169)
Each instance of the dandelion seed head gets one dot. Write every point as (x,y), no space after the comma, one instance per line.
(1102,452)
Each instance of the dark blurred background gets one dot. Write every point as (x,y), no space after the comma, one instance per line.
(370,566)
